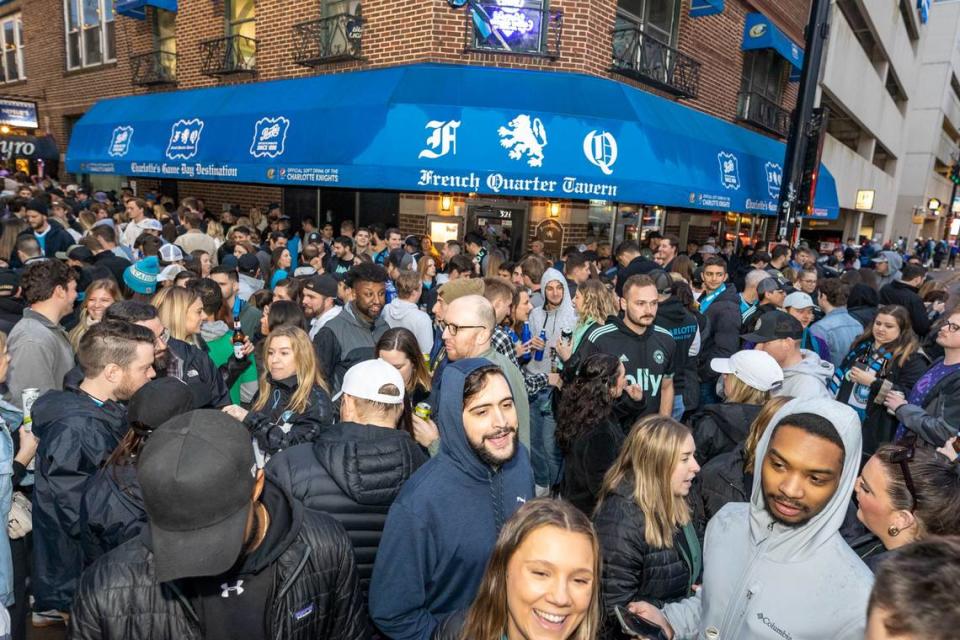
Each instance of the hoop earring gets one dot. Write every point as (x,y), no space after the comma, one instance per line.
(893,532)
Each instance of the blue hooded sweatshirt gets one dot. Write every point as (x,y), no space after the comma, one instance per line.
(442,527)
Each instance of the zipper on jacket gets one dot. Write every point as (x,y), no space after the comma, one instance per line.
(749,567)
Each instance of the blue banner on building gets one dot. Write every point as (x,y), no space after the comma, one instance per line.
(443,128)
(138,8)
(760,33)
(701,8)
(18,113)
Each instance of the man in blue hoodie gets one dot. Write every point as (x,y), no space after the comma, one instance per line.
(442,527)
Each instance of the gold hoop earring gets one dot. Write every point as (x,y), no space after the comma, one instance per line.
(893,531)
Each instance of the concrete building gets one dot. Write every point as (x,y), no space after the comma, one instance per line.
(933,128)
(870,83)
(677,61)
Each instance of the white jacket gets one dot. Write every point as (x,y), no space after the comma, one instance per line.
(765,581)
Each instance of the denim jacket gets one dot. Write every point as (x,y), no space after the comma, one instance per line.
(839,330)
(10,419)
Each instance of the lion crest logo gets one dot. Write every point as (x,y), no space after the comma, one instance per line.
(524,136)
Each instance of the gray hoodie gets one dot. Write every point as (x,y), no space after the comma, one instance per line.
(765,581)
(895,262)
(554,321)
(400,313)
(808,378)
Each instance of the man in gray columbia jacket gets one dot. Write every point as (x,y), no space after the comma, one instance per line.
(778,567)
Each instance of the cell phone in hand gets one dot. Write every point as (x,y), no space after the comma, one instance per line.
(636,627)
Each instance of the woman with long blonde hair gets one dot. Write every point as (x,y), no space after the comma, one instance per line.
(594,303)
(650,547)
(215,231)
(99,295)
(181,312)
(292,404)
(516,587)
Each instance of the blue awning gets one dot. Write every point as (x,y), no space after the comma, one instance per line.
(700,8)
(760,33)
(138,8)
(443,128)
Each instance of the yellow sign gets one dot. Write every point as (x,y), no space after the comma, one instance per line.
(865,199)
(919,219)
(933,204)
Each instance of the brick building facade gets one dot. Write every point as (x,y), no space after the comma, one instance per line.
(394,32)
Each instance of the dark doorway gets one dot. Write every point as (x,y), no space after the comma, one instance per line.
(503,226)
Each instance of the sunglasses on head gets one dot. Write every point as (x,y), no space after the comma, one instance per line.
(901,454)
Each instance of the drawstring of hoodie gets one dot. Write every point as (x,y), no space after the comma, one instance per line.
(496,496)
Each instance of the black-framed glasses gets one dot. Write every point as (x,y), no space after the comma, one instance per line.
(952,327)
(455,328)
(164,336)
(901,454)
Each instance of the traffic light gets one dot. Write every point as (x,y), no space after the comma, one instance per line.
(955,174)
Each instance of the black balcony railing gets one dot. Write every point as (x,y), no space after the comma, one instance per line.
(641,56)
(329,39)
(519,31)
(763,112)
(224,56)
(156,67)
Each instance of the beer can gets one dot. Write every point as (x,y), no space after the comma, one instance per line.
(566,335)
(27,398)
(423,410)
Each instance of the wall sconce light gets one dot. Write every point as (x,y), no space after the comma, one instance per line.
(445,203)
(4,129)
(554,209)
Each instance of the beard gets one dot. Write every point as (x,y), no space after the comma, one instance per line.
(491,459)
(127,388)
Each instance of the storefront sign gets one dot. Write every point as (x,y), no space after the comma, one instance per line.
(551,233)
(28,148)
(865,199)
(18,113)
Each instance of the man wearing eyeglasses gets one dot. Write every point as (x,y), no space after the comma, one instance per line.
(778,567)
(932,410)
(467,328)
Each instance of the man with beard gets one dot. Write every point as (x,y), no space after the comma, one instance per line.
(648,352)
(352,335)
(809,461)
(78,428)
(443,525)
(175,358)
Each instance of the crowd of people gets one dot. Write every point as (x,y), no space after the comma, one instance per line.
(223,426)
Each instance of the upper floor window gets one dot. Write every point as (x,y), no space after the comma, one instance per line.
(11,38)
(520,26)
(91,37)
(242,22)
(765,73)
(165,38)
(657,18)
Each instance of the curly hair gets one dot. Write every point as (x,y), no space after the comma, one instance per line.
(586,402)
(596,303)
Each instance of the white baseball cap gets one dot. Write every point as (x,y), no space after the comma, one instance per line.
(151,224)
(757,369)
(171,253)
(798,300)
(363,380)
(170,272)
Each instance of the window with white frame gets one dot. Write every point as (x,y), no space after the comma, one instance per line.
(11,39)
(90,32)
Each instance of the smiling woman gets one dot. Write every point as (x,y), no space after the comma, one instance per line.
(542,580)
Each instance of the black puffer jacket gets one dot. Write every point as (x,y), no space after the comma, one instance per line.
(196,369)
(722,338)
(76,436)
(718,428)
(351,472)
(632,570)
(276,427)
(119,597)
(11,310)
(721,480)
(112,511)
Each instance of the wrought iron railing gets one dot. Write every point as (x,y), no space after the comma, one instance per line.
(328,39)
(156,67)
(232,54)
(492,28)
(763,112)
(644,57)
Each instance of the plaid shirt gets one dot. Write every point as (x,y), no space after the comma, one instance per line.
(534,382)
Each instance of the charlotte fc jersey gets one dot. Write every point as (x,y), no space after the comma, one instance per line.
(648,358)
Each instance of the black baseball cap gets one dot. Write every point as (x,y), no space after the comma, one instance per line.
(9,283)
(76,252)
(197,474)
(775,325)
(313,238)
(248,263)
(38,205)
(770,284)
(324,285)
(158,401)
(662,280)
